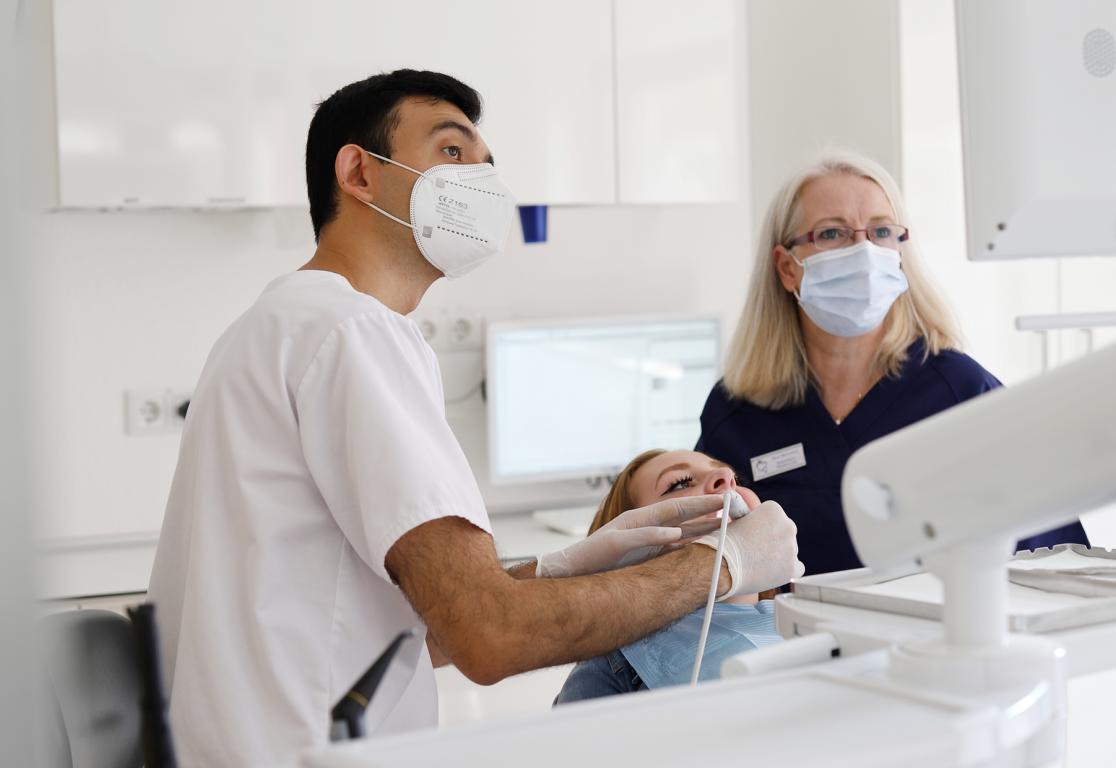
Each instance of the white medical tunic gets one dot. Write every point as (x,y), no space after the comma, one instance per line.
(316,438)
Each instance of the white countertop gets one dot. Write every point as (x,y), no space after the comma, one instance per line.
(114,565)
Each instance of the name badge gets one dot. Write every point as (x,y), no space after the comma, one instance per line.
(778,462)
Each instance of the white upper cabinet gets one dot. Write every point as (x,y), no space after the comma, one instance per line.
(676,83)
(176,104)
(544,71)
(206,104)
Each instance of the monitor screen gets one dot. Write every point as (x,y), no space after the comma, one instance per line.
(571,400)
(1038,119)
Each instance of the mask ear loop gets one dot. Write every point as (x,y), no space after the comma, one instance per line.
(802,266)
(375,207)
(394,162)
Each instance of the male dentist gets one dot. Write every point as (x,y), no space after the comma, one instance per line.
(321,503)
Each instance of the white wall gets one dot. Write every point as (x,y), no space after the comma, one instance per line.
(129,300)
(16,646)
(823,74)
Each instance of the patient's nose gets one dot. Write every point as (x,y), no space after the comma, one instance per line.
(720,480)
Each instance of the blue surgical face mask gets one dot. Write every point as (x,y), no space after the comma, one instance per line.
(667,656)
(848,291)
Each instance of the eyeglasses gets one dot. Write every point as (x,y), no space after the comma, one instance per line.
(827,238)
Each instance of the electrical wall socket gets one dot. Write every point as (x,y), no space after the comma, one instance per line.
(153,411)
(453,330)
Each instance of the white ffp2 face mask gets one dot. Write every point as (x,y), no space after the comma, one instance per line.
(848,291)
(460,214)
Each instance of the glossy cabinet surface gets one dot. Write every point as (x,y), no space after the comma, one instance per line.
(543,70)
(676,83)
(206,104)
(175,104)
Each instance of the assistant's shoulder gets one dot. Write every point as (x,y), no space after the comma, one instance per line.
(719,407)
(965,376)
(717,404)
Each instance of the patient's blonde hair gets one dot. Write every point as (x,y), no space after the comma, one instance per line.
(766,362)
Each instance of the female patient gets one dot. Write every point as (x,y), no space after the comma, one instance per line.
(666,657)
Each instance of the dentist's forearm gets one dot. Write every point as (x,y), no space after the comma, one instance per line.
(492,625)
(546,622)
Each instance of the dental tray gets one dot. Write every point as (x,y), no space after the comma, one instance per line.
(1060,604)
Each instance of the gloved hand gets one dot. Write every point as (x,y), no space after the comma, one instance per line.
(634,536)
(761,550)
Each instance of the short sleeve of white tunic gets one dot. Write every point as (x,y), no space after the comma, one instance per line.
(316,439)
(374,434)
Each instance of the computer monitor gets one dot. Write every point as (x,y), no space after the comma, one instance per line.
(579,399)
(1038,118)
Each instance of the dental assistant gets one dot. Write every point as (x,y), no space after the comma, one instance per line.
(843,339)
(321,503)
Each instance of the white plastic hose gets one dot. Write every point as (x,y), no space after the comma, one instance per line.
(725,510)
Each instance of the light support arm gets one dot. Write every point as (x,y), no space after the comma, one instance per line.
(1010,463)
(952,494)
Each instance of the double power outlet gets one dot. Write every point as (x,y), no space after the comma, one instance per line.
(457,338)
(155,411)
(452,331)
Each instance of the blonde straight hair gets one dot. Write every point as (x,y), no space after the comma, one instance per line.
(766,361)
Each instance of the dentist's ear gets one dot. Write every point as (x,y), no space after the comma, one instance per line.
(357,173)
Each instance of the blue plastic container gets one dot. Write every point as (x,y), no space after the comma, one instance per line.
(533,219)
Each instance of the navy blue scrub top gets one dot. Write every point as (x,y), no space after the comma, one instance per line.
(734,431)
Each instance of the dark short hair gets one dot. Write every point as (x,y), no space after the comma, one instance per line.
(366,113)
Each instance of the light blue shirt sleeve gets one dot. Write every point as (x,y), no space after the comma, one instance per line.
(667,657)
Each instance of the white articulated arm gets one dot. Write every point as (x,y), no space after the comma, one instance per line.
(1008,464)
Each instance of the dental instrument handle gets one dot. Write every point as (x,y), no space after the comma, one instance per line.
(709,602)
(158,744)
(348,714)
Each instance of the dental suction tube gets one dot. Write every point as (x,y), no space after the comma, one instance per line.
(734,508)
(1010,463)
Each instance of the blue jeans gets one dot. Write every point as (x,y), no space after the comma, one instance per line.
(600,676)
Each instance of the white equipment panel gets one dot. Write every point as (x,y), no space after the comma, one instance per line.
(1038,113)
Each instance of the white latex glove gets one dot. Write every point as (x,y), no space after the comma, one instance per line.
(761,550)
(634,536)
